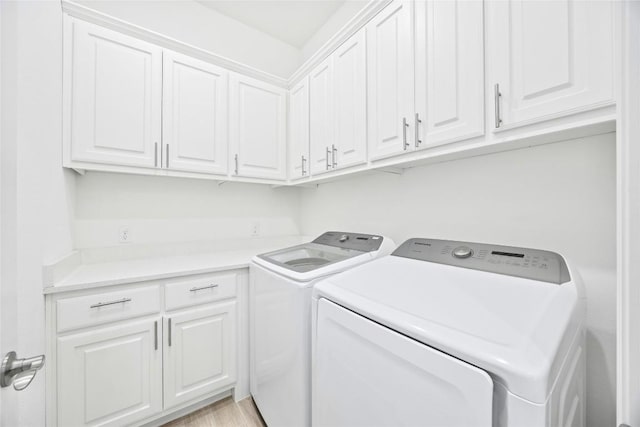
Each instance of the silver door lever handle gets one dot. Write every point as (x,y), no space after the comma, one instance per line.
(19,372)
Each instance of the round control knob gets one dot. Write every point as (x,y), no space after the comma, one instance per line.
(462,252)
(343,238)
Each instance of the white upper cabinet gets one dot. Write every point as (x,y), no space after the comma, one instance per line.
(321,113)
(258,128)
(195,125)
(299,130)
(449,72)
(338,108)
(548,58)
(390,83)
(350,97)
(112,104)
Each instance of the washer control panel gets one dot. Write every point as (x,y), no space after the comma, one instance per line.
(355,241)
(532,264)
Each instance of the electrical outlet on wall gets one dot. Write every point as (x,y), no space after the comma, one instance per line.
(124,235)
(255,229)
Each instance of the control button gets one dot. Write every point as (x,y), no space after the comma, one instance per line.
(462,252)
(343,238)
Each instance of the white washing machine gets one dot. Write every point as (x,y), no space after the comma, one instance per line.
(280,318)
(444,334)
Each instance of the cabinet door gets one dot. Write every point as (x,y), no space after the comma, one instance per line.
(199,352)
(321,117)
(110,376)
(549,58)
(299,130)
(350,94)
(258,128)
(195,115)
(115,102)
(449,72)
(390,89)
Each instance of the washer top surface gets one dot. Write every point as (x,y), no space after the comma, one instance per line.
(518,329)
(329,253)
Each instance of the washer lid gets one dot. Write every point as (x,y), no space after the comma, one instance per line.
(517,329)
(308,256)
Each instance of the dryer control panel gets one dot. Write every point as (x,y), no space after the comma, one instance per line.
(356,241)
(532,264)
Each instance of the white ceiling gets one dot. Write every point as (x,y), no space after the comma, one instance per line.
(292,21)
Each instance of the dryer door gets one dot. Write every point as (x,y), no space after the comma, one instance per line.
(365,374)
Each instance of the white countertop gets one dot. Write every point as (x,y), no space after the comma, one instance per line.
(123,271)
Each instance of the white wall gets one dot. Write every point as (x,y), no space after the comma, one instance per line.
(36,192)
(341,16)
(161,209)
(195,24)
(559,197)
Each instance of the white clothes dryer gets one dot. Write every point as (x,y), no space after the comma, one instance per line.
(280,318)
(444,334)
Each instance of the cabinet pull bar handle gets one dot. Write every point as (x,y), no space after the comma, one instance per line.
(235,158)
(334,152)
(304,172)
(155,156)
(418,121)
(169,332)
(102,304)
(155,334)
(195,289)
(328,154)
(167,156)
(405,125)
(497,96)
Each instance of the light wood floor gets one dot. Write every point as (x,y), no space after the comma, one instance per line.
(224,413)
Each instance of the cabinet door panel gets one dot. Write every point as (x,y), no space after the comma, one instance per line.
(449,71)
(109,376)
(195,114)
(390,69)
(550,58)
(350,92)
(299,130)
(258,128)
(115,97)
(321,117)
(202,354)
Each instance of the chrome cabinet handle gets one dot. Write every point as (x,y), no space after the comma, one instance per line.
(155,156)
(417,132)
(405,125)
(304,172)
(236,161)
(334,152)
(169,332)
(328,154)
(155,334)
(167,156)
(195,289)
(497,95)
(102,304)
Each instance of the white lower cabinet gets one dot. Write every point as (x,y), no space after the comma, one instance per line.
(128,356)
(110,376)
(199,352)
